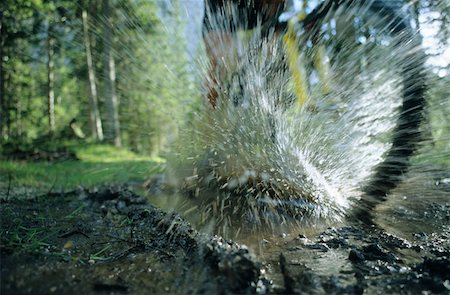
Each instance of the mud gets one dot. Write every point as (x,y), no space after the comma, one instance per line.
(111,241)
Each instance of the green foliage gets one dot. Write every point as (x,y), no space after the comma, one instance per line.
(109,154)
(31,240)
(26,25)
(439,109)
(154,85)
(99,164)
(438,127)
(151,68)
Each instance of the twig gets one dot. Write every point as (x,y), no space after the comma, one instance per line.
(73,232)
(289,282)
(53,185)
(118,238)
(9,185)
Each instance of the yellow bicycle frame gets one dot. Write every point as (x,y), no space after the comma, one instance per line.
(296,61)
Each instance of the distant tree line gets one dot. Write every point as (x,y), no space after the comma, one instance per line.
(111,66)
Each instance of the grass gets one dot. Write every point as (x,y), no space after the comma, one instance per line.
(35,227)
(27,239)
(98,164)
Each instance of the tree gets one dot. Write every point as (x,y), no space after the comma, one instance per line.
(2,79)
(96,123)
(153,80)
(50,79)
(112,104)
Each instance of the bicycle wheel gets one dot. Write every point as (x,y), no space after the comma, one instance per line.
(258,158)
(374,43)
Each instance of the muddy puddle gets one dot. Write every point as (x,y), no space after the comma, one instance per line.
(411,232)
(112,241)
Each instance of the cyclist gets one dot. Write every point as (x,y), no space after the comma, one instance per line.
(223,18)
(218,38)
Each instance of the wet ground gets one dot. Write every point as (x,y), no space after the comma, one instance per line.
(111,241)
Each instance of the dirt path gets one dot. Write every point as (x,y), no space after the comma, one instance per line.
(111,241)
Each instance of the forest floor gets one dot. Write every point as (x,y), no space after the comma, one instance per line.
(111,240)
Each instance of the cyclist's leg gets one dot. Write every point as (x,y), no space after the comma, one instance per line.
(218,30)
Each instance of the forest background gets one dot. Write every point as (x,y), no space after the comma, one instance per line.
(123,73)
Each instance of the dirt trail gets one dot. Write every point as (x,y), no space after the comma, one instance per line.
(111,241)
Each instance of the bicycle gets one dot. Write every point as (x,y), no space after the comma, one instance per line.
(324,112)
(406,134)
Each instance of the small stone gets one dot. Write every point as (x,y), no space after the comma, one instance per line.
(375,252)
(303,241)
(121,205)
(447,284)
(68,245)
(356,256)
(320,247)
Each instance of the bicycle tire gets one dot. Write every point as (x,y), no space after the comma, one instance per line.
(264,161)
(406,135)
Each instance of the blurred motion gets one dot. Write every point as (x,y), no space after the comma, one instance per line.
(242,146)
(224,146)
(268,152)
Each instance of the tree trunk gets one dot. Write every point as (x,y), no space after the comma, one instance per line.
(113,126)
(96,122)
(2,80)
(18,120)
(50,81)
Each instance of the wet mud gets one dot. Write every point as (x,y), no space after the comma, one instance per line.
(112,241)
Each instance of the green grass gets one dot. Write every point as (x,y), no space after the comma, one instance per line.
(26,239)
(435,158)
(98,164)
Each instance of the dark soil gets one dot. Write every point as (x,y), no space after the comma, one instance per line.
(37,155)
(111,241)
(46,150)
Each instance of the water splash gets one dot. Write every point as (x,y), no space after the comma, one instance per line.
(257,159)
